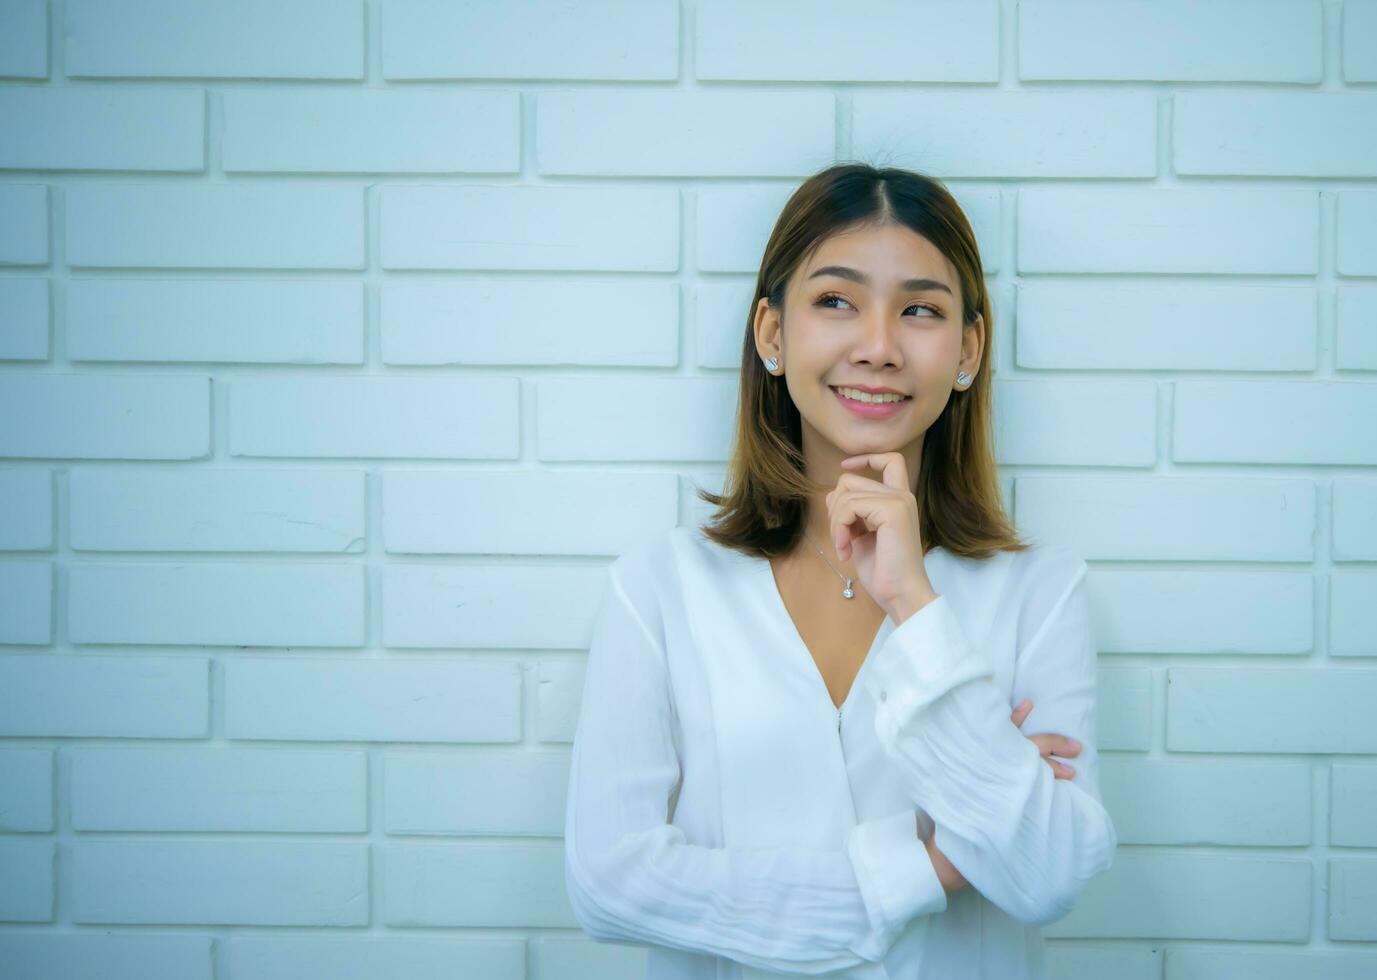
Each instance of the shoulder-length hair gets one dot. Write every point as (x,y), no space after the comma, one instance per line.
(960,505)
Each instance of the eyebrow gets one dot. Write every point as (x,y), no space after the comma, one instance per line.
(855,275)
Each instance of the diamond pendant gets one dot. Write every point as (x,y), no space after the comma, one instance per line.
(847,592)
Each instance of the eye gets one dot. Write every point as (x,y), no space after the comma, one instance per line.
(822,301)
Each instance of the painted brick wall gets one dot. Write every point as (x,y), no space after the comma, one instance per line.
(344,342)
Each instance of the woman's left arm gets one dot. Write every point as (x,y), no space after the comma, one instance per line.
(1026,840)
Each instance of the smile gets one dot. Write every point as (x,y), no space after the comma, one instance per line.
(872,410)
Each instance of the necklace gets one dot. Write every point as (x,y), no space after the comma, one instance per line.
(847,591)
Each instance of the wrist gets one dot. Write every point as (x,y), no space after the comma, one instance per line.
(911,602)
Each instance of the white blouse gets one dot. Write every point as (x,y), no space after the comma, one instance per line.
(724,813)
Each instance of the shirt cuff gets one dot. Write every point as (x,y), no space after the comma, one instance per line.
(897,879)
(924,657)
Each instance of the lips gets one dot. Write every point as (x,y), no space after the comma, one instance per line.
(838,388)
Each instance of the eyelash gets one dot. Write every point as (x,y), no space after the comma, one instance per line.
(826,296)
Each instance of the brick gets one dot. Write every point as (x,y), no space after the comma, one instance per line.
(1269,963)
(1185,803)
(24,40)
(623,323)
(1352,913)
(1186,326)
(107,954)
(85,696)
(1356,214)
(513,793)
(674,418)
(1283,134)
(371,131)
(529,39)
(1354,520)
(217,603)
(1274,422)
(685,132)
(1355,337)
(24,230)
(219,882)
(1166,611)
(26,792)
(432,885)
(1171,518)
(489,606)
(26,602)
(103,128)
(27,867)
(1189,230)
(216,320)
(960,43)
(24,323)
(1352,613)
(1124,708)
(1196,895)
(1045,423)
(1171,41)
(224,509)
(435,512)
(26,520)
(474,417)
(210,789)
(315,39)
(1352,801)
(105,416)
(270,957)
(391,700)
(595,229)
(1290,709)
(267,225)
(1008,133)
(1359,43)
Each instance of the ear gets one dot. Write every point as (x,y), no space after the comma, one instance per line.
(768,338)
(973,345)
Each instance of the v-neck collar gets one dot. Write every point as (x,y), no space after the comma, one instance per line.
(773,598)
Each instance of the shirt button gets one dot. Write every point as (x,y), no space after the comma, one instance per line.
(884,695)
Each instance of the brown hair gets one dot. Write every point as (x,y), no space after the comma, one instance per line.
(960,505)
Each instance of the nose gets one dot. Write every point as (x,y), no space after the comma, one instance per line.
(878,342)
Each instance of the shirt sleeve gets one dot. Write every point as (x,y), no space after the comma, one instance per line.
(1024,839)
(632,876)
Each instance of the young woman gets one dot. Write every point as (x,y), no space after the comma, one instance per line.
(796,751)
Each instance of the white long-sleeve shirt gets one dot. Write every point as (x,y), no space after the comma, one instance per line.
(724,813)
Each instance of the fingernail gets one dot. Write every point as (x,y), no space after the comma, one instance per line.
(1075,744)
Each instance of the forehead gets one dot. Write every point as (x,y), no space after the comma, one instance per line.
(884,254)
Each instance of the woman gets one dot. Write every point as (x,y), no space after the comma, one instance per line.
(795,752)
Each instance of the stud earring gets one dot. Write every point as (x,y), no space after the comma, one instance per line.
(772,364)
(963,378)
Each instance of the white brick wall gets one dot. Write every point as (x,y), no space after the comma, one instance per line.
(319,321)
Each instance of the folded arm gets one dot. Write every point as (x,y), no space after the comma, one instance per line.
(632,876)
(1029,842)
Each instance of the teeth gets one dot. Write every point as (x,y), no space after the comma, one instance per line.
(863,396)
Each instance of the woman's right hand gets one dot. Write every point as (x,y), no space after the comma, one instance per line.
(952,880)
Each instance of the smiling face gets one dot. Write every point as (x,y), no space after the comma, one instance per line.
(878,307)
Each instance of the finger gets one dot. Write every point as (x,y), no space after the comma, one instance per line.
(847,522)
(1056,744)
(1021,713)
(1061,770)
(892,466)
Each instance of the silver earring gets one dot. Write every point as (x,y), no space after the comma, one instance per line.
(962,378)
(772,364)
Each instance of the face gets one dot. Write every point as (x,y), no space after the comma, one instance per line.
(875,328)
